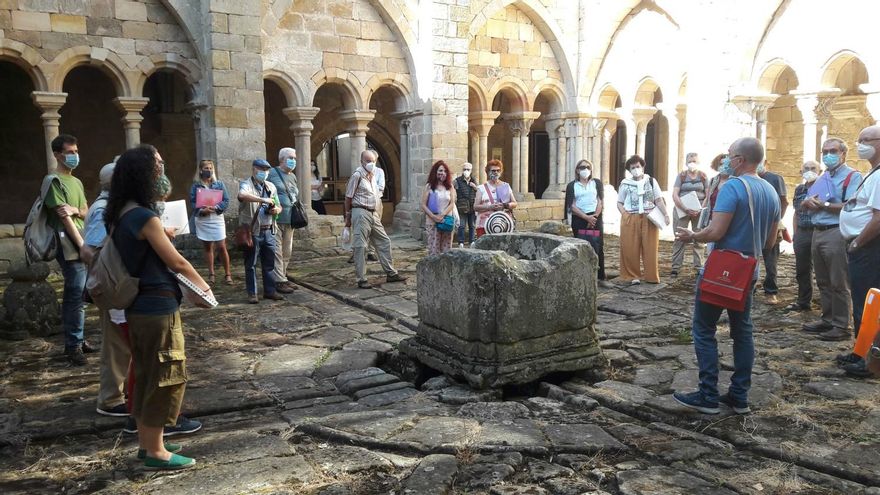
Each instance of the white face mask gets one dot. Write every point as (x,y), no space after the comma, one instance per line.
(584,173)
(637,172)
(693,166)
(465,173)
(810,176)
(866,151)
(369,166)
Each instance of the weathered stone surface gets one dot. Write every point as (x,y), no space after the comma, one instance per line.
(462,395)
(762,393)
(568,486)
(329,337)
(484,475)
(371,424)
(842,389)
(433,476)
(541,470)
(438,383)
(517,490)
(516,433)
(585,436)
(436,431)
(351,386)
(290,360)
(665,481)
(387,398)
(368,345)
(626,391)
(249,477)
(342,361)
(30,304)
(345,459)
(509,289)
(495,411)
(382,389)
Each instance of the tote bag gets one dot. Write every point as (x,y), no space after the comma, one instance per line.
(727,275)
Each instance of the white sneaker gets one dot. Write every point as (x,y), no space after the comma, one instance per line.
(460,245)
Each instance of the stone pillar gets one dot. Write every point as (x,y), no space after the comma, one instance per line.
(600,167)
(49,103)
(571,133)
(551,125)
(131,118)
(516,127)
(474,145)
(562,164)
(481,123)
(356,124)
(673,163)
(406,176)
(301,125)
(641,117)
(519,126)
(872,103)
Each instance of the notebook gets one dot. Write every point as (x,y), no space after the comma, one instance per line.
(191,289)
(208,197)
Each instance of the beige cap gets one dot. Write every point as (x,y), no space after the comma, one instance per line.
(106,175)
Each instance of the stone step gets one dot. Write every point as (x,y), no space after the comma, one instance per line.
(352,386)
(381,389)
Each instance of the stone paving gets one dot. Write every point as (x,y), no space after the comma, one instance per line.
(309,396)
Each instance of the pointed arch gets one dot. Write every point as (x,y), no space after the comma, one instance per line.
(647,88)
(606,99)
(766,78)
(835,64)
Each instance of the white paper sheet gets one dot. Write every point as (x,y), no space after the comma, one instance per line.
(175,217)
(691,202)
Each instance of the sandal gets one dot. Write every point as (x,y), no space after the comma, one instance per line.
(228,279)
(211,279)
(175,462)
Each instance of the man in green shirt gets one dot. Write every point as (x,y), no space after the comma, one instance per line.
(67,210)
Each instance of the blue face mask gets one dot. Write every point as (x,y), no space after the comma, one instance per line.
(830,160)
(725,166)
(291,163)
(261,175)
(71,161)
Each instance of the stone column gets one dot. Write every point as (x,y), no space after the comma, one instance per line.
(49,103)
(406,174)
(673,165)
(301,125)
(356,124)
(681,117)
(519,126)
(872,101)
(131,107)
(600,167)
(641,117)
(562,164)
(481,123)
(516,127)
(551,125)
(474,141)
(571,133)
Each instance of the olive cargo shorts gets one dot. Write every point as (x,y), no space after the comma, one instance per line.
(157,349)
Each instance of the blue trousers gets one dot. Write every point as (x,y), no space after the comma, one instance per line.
(73,316)
(471,220)
(705,324)
(863,276)
(264,247)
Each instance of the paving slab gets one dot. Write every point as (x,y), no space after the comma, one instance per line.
(666,481)
(342,361)
(290,360)
(434,475)
(433,432)
(586,437)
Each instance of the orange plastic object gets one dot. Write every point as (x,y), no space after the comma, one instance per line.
(870,323)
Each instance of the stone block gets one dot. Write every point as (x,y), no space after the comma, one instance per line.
(231,42)
(219,23)
(140,30)
(326,42)
(508,319)
(244,24)
(220,60)
(31,21)
(239,7)
(231,117)
(347,27)
(101,26)
(7,231)
(170,32)
(131,11)
(247,62)
(19,229)
(369,48)
(229,78)
(148,47)
(122,46)
(64,23)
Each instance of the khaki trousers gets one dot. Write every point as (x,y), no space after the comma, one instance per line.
(366,227)
(639,242)
(283,251)
(678,247)
(115,357)
(158,350)
(832,277)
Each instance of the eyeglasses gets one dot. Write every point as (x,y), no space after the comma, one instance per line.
(830,152)
(862,141)
(494,170)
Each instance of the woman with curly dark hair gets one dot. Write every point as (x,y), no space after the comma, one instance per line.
(438,202)
(155,331)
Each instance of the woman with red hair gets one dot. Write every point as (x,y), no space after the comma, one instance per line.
(438,202)
(494,195)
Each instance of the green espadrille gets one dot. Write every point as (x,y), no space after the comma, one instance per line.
(170,447)
(175,462)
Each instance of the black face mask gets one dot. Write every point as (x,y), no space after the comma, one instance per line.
(205,174)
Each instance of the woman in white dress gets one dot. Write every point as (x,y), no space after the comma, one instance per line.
(209,221)
(438,202)
(494,195)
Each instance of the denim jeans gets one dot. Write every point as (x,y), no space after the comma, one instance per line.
(471,219)
(264,246)
(73,316)
(705,324)
(771,260)
(863,275)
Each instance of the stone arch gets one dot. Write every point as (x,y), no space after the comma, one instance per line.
(166,61)
(27,58)
(543,21)
(352,96)
(553,88)
(476,88)
(515,90)
(771,22)
(292,90)
(766,79)
(836,64)
(188,19)
(396,81)
(626,14)
(608,98)
(645,94)
(106,60)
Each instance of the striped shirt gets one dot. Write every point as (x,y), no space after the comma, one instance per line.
(362,190)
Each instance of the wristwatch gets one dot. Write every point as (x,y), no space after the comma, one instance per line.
(826,205)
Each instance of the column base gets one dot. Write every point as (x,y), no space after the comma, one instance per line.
(524,196)
(554,191)
(408,219)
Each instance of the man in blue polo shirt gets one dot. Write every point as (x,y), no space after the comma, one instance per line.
(735,227)
(829,247)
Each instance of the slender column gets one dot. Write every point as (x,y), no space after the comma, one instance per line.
(571,133)
(562,153)
(131,107)
(599,166)
(807,104)
(481,123)
(301,125)
(641,117)
(49,103)
(516,127)
(631,131)
(405,173)
(474,140)
(550,126)
(356,124)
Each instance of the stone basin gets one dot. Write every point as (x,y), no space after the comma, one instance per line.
(510,310)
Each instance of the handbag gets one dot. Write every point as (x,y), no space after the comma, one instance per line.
(298,216)
(244,234)
(446,225)
(728,274)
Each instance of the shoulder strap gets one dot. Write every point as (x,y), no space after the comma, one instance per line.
(489,193)
(846,184)
(752,215)
(283,181)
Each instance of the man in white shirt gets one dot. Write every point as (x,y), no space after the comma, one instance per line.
(860,227)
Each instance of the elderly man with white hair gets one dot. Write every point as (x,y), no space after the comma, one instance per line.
(284,180)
